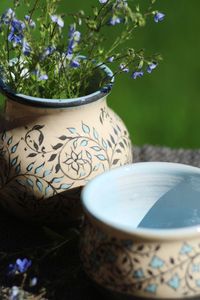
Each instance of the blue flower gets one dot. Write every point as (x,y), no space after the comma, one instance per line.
(121,3)
(14,38)
(33,281)
(58,20)
(48,51)
(137,74)
(17,25)
(124,68)
(26,49)
(14,293)
(43,77)
(74,64)
(115,20)
(103,1)
(20,266)
(74,39)
(151,67)
(16,34)
(23,265)
(111,59)
(8,16)
(158,17)
(30,21)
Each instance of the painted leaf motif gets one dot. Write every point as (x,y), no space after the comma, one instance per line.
(30,182)
(18,168)
(57,168)
(37,127)
(88,155)
(19,181)
(118,151)
(30,166)
(48,189)
(122,145)
(95,134)
(53,156)
(62,137)
(115,131)
(47,173)
(65,186)
(56,180)
(104,144)
(38,169)
(14,161)
(10,141)
(39,185)
(112,139)
(96,148)
(101,157)
(115,161)
(84,143)
(72,130)
(3,137)
(96,167)
(85,128)
(14,148)
(35,145)
(75,144)
(32,154)
(56,147)
(41,138)
(109,144)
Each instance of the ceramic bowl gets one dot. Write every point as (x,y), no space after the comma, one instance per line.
(142,233)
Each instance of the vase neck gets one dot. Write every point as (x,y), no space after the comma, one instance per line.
(15,109)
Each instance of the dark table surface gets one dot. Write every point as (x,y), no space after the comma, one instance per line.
(54,251)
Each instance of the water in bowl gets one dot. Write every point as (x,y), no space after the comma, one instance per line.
(153,201)
(179,207)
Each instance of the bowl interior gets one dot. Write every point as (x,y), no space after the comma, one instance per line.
(146,195)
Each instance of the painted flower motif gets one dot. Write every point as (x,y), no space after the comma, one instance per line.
(158,17)
(151,67)
(75,161)
(58,20)
(137,74)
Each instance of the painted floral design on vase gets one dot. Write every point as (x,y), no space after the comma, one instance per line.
(148,269)
(49,149)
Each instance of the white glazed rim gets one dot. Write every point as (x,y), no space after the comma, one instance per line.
(161,234)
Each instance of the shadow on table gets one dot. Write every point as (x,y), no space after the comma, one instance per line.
(55,258)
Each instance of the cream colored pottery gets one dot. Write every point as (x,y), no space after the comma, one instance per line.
(49,149)
(158,261)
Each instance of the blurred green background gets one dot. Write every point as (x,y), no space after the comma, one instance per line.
(162,108)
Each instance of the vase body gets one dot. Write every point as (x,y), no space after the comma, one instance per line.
(48,154)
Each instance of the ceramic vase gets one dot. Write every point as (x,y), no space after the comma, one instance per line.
(50,148)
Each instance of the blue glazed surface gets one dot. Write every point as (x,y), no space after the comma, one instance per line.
(177,208)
